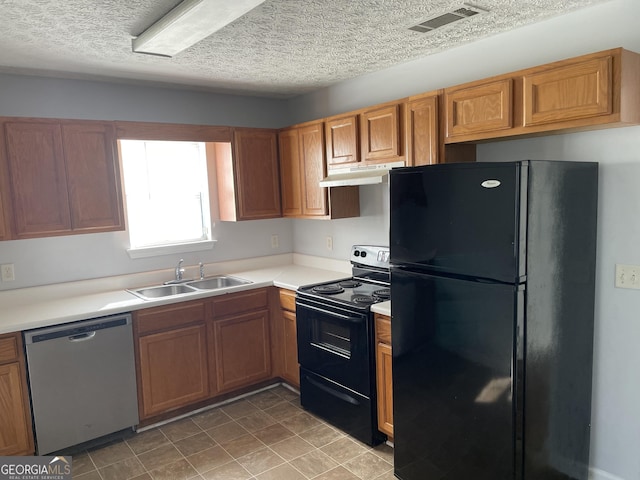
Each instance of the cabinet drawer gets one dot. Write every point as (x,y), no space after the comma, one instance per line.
(383,329)
(8,348)
(288,300)
(236,303)
(169,316)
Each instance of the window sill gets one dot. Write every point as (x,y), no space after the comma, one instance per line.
(146,252)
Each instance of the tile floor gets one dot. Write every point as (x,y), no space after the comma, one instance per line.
(266,436)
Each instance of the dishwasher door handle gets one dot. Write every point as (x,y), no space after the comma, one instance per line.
(82,337)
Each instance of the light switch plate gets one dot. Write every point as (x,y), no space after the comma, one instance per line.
(627,276)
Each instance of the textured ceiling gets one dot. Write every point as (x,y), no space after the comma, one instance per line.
(280,49)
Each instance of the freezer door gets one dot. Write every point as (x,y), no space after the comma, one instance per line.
(455,391)
(461,219)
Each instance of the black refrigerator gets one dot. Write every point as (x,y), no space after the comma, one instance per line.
(492,300)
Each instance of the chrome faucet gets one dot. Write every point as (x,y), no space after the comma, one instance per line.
(179,271)
(201,265)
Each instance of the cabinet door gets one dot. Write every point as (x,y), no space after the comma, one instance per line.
(384,378)
(242,350)
(93,177)
(15,424)
(385,389)
(173,369)
(380,134)
(38,179)
(290,173)
(342,141)
(581,90)
(314,199)
(290,345)
(257,178)
(422,131)
(483,108)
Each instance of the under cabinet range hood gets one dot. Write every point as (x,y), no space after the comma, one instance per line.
(363,175)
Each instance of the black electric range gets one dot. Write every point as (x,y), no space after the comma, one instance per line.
(336,351)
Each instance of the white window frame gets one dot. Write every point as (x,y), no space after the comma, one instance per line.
(144,251)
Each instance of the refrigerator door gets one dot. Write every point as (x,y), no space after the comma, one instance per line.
(460,219)
(456,346)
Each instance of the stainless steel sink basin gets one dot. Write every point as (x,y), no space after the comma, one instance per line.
(219,281)
(162,291)
(190,286)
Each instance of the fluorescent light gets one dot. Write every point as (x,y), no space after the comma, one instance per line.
(188,23)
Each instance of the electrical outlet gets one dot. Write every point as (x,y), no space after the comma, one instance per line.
(329,242)
(8,274)
(275,241)
(627,276)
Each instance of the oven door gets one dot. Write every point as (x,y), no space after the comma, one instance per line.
(335,343)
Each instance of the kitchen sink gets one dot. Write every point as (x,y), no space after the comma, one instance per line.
(162,291)
(219,281)
(189,286)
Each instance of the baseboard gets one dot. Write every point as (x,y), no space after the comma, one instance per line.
(597,474)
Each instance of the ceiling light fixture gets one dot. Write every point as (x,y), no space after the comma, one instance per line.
(188,23)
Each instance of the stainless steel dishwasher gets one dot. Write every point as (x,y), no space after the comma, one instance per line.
(82,380)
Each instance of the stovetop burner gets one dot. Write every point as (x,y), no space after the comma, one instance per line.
(384,293)
(331,289)
(363,299)
(369,283)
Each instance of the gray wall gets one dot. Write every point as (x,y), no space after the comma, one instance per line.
(25,96)
(59,259)
(616,395)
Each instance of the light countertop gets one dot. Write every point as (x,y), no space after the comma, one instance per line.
(384,308)
(41,306)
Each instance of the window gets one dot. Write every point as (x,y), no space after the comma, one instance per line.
(166,191)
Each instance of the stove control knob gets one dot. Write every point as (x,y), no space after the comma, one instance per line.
(363,254)
(356,253)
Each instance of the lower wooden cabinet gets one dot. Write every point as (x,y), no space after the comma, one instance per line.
(16,434)
(242,350)
(173,368)
(384,378)
(172,357)
(288,344)
(190,352)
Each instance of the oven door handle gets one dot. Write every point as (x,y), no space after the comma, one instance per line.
(346,318)
(342,396)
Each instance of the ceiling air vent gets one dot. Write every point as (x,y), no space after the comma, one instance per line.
(447,18)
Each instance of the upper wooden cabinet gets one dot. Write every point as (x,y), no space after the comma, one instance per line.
(580,89)
(482,108)
(342,141)
(422,136)
(93,177)
(381,134)
(290,172)
(314,197)
(302,166)
(247,173)
(592,91)
(63,176)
